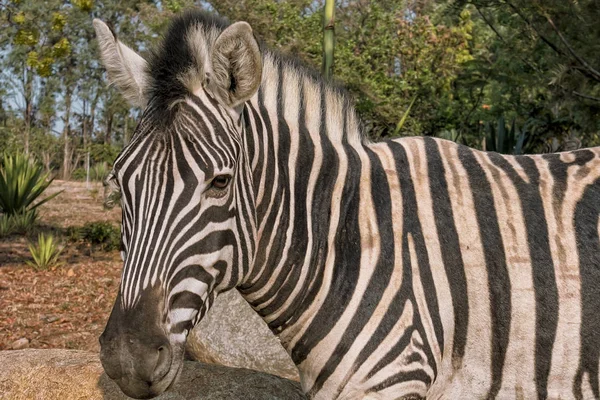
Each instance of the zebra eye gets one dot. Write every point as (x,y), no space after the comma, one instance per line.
(221,181)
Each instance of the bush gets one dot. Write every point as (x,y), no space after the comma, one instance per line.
(78,174)
(23,222)
(22,181)
(99,172)
(6,225)
(102,234)
(45,253)
(20,223)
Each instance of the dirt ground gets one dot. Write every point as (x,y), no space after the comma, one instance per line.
(68,306)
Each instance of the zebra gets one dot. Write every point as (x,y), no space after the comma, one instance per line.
(409,268)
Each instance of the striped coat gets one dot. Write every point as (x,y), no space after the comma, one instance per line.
(411,268)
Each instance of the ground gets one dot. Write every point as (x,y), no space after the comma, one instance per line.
(66,307)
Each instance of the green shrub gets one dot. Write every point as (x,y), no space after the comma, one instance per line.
(20,223)
(102,234)
(73,234)
(45,253)
(22,181)
(78,174)
(505,140)
(24,221)
(99,172)
(94,193)
(6,225)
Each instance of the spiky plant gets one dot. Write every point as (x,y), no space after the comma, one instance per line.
(45,252)
(505,140)
(99,172)
(24,221)
(6,225)
(22,182)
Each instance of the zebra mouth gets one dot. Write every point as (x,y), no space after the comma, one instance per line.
(140,389)
(144,378)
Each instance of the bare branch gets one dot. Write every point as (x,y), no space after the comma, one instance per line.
(585,96)
(532,26)
(493,28)
(592,72)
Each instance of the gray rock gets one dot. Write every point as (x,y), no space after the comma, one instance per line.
(233,334)
(71,374)
(19,344)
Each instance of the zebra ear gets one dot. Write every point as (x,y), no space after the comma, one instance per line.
(236,64)
(127,70)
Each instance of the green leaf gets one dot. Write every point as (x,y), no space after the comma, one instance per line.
(404,116)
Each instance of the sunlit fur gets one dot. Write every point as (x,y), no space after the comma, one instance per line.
(410,268)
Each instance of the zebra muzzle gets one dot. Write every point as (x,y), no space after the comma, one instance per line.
(137,354)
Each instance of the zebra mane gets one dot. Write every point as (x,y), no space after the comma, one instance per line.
(180,64)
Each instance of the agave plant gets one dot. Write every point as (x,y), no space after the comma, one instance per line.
(23,222)
(505,140)
(22,181)
(45,253)
(454,135)
(6,225)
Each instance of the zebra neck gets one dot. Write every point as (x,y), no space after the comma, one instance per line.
(300,132)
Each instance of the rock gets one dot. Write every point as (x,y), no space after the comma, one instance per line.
(49,318)
(20,344)
(232,334)
(71,374)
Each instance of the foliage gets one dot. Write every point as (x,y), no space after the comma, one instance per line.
(103,153)
(402,121)
(102,234)
(79,174)
(505,140)
(99,172)
(23,222)
(536,63)
(452,134)
(54,101)
(22,181)
(6,225)
(429,67)
(45,252)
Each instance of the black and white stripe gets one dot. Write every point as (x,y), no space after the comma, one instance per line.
(409,268)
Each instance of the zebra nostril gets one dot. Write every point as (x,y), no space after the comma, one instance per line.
(163,362)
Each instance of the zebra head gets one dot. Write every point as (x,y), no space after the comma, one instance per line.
(185,192)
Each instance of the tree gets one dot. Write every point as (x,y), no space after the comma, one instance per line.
(541,64)
(53,78)
(444,68)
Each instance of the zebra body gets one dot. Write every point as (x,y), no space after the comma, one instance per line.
(405,269)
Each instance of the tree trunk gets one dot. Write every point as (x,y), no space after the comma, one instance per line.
(28,86)
(93,112)
(84,131)
(67,153)
(328,38)
(109,122)
(126,135)
(46,159)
